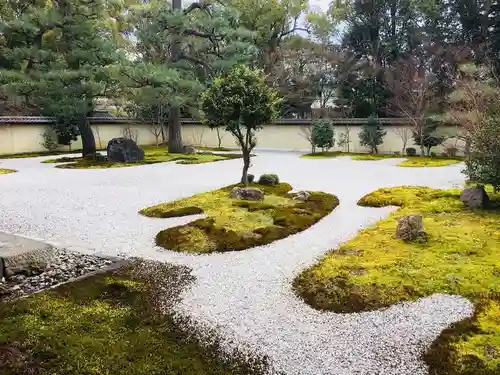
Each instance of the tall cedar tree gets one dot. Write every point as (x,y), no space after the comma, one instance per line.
(242,103)
(63,56)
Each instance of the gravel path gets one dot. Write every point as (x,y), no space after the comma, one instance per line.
(246,295)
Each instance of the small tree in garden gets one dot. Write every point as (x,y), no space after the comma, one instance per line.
(404,134)
(483,165)
(411,87)
(322,134)
(242,103)
(372,135)
(429,136)
(306,133)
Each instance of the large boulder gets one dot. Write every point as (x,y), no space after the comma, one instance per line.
(188,150)
(124,150)
(475,198)
(410,228)
(247,193)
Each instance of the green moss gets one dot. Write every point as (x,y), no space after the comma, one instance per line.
(234,224)
(375,270)
(37,154)
(469,347)
(152,155)
(374,156)
(411,161)
(324,154)
(6,171)
(108,324)
(421,161)
(206,148)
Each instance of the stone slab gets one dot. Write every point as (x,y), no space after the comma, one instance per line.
(19,254)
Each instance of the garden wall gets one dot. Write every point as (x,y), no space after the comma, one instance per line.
(18,136)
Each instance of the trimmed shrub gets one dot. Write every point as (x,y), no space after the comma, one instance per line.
(322,134)
(411,151)
(250,178)
(269,179)
(433,154)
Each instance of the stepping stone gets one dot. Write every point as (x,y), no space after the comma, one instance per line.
(22,255)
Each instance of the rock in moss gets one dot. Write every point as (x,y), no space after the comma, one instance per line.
(475,198)
(269,179)
(410,228)
(300,195)
(124,150)
(189,150)
(247,193)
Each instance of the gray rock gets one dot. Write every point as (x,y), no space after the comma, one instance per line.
(410,228)
(300,195)
(247,193)
(475,198)
(124,150)
(190,150)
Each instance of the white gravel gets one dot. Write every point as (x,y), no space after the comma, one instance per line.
(246,295)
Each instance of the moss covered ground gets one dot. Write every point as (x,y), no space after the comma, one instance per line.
(460,256)
(24,155)
(109,323)
(152,155)
(410,161)
(234,224)
(6,171)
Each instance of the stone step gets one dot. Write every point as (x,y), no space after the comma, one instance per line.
(23,255)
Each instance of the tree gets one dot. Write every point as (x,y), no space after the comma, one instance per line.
(62,56)
(372,135)
(483,166)
(403,133)
(242,103)
(429,136)
(470,103)
(412,96)
(179,51)
(306,133)
(322,134)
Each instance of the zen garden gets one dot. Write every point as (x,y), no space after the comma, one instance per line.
(344,218)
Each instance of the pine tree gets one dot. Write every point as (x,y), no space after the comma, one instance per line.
(61,56)
(181,51)
(372,135)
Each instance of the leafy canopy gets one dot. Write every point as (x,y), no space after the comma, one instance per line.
(240,99)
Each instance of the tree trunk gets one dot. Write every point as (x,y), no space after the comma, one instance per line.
(174,120)
(219,139)
(174,131)
(246,166)
(87,135)
(422,150)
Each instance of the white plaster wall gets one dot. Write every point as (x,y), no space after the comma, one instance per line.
(16,138)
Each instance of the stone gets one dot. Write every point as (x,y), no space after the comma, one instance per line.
(300,195)
(189,150)
(247,193)
(124,150)
(475,198)
(22,255)
(410,228)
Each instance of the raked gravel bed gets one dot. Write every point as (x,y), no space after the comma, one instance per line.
(64,266)
(245,295)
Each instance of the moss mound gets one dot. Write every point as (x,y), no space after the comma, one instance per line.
(234,224)
(375,270)
(152,155)
(109,324)
(6,171)
(410,161)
